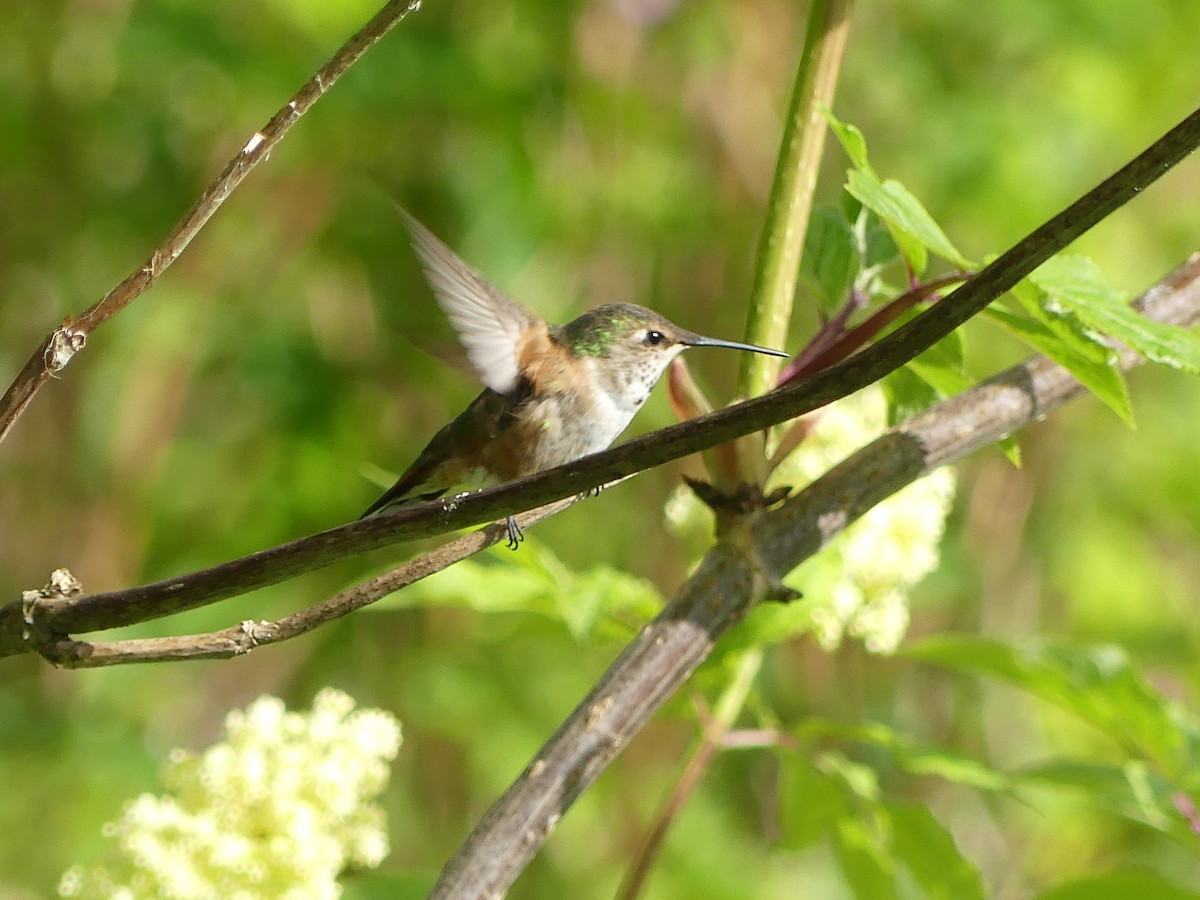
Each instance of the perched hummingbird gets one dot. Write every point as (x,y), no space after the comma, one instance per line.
(552,394)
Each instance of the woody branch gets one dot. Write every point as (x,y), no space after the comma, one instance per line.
(26,626)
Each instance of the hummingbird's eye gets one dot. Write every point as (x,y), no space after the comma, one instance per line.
(654,338)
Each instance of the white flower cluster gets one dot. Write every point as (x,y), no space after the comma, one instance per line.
(858,584)
(277,810)
(888,550)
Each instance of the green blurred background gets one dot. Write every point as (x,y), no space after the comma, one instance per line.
(578,153)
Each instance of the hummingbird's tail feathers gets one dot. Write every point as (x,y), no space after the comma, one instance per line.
(489,325)
(399,495)
(417,484)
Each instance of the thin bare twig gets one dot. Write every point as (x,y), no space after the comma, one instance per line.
(240,639)
(722,590)
(99,611)
(69,338)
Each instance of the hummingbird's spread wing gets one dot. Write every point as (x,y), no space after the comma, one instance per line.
(489,325)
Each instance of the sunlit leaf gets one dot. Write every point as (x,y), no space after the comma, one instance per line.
(1077,284)
(534,581)
(907,218)
(1076,352)
(1096,683)
(850,138)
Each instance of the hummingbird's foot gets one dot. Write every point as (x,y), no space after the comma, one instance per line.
(515,534)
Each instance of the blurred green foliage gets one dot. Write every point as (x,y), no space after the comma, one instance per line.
(578,153)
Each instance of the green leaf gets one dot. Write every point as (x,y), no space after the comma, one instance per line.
(859,780)
(866,862)
(1077,284)
(1076,352)
(1119,886)
(604,590)
(831,258)
(534,581)
(909,221)
(907,394)
(1098,684)
(930,853)
(809,802)
(948,765)
(1131,791)
(479,584)
(1011,449)
(942,366)
(954,767)
(850,138)
(878,246)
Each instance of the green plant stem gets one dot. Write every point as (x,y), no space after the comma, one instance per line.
(790,203)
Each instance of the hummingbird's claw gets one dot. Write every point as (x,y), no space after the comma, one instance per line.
(515,534)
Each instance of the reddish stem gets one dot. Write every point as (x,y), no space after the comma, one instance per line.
(828,353)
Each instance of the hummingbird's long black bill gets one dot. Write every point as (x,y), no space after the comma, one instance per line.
(697,340)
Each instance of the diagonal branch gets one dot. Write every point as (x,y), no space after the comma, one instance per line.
(69,338)
(723,590)
(99,611)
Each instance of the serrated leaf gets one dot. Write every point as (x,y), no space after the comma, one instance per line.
(929,852)
(1078,284)
(850,138)
(1075,352)
(866,862)
(906,218)
(831,259)
(1097,683)
(1119,886)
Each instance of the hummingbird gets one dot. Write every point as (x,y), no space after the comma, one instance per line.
(551,393)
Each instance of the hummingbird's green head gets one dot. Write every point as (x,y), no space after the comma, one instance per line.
(634,345)
(627,330)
